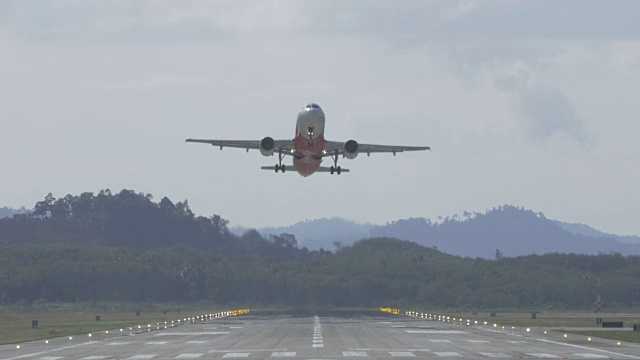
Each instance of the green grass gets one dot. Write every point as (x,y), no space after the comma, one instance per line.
(624,336)
(68,320)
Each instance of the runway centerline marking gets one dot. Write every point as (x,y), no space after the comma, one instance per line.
(448,354)
(284,354)
(201,333)
(354,353)
(236,355)
(543,355)
(496,355)
(402,353)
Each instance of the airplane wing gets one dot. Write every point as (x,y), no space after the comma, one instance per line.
(280,145)
(331,147)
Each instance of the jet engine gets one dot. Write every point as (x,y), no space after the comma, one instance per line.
(351,149)
(267,146)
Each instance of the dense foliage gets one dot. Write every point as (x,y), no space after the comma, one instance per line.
(126,247)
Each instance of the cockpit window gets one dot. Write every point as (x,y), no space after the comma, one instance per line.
(312,106)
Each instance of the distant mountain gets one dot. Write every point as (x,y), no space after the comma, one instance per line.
(511,230)
(6,212)
(324,233)
(587,230)
(507,231)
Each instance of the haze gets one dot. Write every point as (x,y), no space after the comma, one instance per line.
(533,104)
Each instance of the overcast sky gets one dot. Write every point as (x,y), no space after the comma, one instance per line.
(533,104)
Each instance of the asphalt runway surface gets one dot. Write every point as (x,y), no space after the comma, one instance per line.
(313,337)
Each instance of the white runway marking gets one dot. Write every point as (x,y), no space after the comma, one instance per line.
(201,333)
(440,341)
(284,354)
(50,351)
(448,354)
(517,342)
(96,357)
(156,343)
(318,345)
(119,343)
(236,355)
(543,355)
(592,356)
(401,354)
(354,353)
(497,355)
(590,349)
(196,342)
(188,356)
(398,326)
(141,357)
(235,327)
(50,358)
(317,341)
(444,332)
(479,341)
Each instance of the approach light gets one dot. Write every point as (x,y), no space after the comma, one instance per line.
(588,339)
(89,335)
(70,338)
(528,330)
(18,347)
(565,336)
(485,323)
(107,331)
(545,332)
(619,343)
(46,341)
(120,330)
(495,325)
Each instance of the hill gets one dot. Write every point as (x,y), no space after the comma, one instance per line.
(329,234)
(511,230)
(6,212)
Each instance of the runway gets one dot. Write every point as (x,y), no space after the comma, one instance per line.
(314,338)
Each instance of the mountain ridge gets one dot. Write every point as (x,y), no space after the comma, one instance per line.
(506,230)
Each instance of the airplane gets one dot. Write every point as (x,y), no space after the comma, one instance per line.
(309,146)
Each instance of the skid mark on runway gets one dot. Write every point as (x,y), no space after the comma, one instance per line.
(189,356)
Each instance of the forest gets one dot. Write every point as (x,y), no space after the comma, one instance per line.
(126,247)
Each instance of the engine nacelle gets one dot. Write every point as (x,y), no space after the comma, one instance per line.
(267,146)
(351,149)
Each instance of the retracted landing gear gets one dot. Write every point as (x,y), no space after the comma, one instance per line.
(279,165)
(335,168)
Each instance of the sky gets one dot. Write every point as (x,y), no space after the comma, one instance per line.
(533,104)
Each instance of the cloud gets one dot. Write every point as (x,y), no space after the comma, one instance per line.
(546,112)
